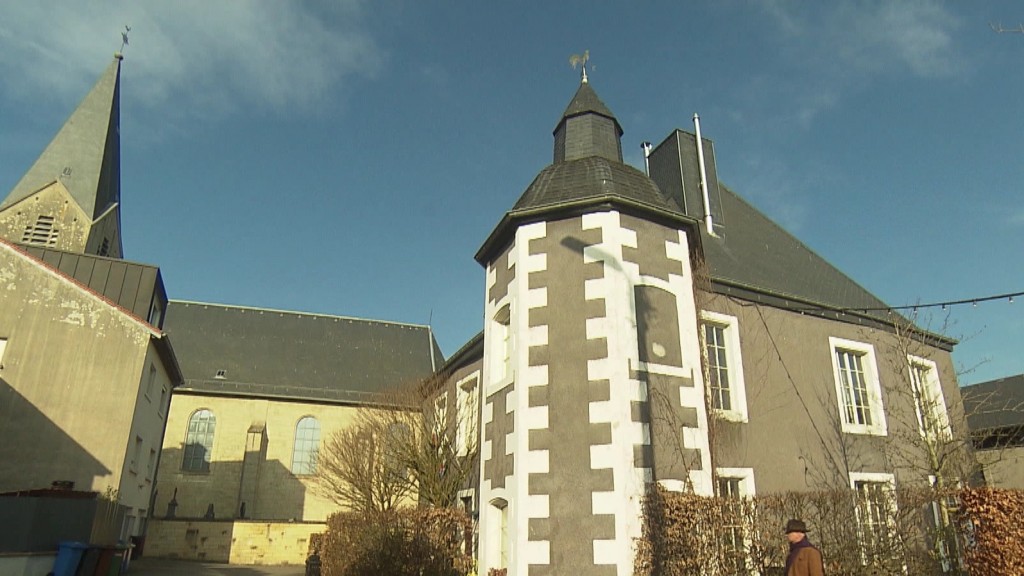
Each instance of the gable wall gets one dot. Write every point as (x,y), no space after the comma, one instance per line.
(54,200)
(71,372)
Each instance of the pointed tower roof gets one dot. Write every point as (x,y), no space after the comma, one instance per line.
(587,174)
(586,100)
(587,128)
(85,155)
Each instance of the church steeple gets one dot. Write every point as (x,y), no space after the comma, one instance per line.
(84,160)
(587,128)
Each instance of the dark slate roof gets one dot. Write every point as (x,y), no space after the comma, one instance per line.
(586,100)
(592,175)
(85,153)
(130,285)
(995,404)
(296,355)
(588,178)
(754,253)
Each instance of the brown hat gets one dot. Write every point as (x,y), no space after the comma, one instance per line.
(796,526)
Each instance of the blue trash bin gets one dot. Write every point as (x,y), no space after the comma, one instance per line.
(69,555)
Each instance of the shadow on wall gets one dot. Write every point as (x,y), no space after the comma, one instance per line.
(252,488)
(35,451)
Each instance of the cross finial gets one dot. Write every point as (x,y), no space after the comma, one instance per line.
(581,61)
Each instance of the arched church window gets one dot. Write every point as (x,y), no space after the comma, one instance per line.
(307,442)
(199,441)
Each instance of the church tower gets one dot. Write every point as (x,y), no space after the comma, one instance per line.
(592,385)
(70,199)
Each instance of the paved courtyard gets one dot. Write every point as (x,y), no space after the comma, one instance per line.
(155,567)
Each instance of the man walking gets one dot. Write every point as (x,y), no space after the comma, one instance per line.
(804,559)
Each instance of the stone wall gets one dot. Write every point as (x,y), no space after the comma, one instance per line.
(232,542)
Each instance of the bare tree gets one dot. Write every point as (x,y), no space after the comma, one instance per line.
(354,469)
(412,444)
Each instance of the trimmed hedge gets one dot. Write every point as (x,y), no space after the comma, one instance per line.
(404,542)
(686,535)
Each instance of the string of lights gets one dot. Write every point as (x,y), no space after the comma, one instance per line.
(1009,296)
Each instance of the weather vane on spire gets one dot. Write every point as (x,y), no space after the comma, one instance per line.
(581,61)
(124,39)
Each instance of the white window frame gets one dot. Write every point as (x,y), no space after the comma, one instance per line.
(930,393)
(467,394)
(737,386)
(3,346)
(869,365)
(744,475)
(501,346)
(746,490)
(876,478)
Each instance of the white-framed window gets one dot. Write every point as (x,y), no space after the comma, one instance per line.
(721,337)
(498,543)
(467,393)
(501,348)
(733,485)
(3,346)
(858,389)
(307,442)
(875,494)
(441,415)
(929,402)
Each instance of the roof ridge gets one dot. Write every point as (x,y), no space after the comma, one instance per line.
(299,313)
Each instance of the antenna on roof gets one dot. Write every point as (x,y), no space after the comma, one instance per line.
(581,61)
(124,41)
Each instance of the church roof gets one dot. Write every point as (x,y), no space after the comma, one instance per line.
(85,153)
(240,351)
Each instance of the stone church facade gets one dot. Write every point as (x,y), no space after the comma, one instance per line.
(639,327)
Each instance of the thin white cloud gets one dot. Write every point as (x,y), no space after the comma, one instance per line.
(829,50)
(277,54)
(915,36)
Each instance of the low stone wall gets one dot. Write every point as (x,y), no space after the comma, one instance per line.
(250,542)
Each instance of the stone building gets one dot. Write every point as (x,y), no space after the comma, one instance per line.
(86,372)
(638,328)
(660,329)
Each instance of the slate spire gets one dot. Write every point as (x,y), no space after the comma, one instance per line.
(587,128)
(85,155)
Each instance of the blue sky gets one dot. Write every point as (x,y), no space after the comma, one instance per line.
(350,157)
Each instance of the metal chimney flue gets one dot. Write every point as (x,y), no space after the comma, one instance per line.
(708,222)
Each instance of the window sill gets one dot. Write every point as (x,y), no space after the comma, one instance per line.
(864,430)
(731,416)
